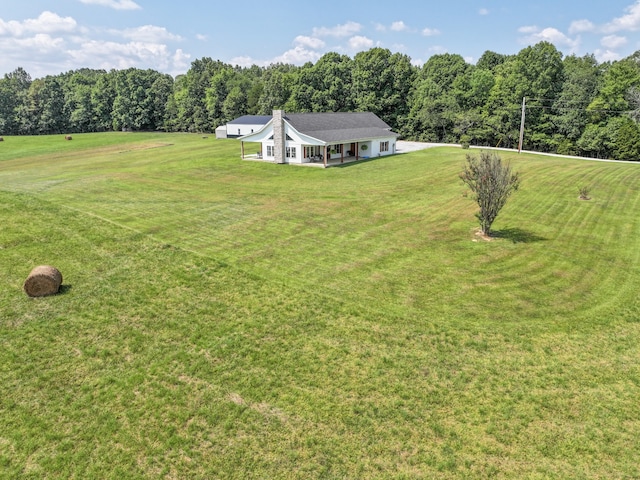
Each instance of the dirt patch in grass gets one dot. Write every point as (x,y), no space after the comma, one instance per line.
(479,235)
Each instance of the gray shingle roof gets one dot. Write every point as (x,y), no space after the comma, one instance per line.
(252,120)
(340,127)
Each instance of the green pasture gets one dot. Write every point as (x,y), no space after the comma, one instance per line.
(222,318)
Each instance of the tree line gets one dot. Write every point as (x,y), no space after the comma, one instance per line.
(574,105)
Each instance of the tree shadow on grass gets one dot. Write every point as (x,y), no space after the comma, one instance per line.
(517,235)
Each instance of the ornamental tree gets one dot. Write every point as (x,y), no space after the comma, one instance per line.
(492,182)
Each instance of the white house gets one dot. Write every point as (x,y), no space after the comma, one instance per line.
(245,125)
(321,137)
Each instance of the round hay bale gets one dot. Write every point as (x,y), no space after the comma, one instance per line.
(68,137)
(43,280)
(1,139)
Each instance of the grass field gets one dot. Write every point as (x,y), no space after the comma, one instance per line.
(222,318)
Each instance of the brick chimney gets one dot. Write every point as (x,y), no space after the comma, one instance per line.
(279,136)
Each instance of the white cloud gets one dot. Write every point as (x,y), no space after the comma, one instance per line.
(40,46)
(628,22)
(202,38)
(51,44)
(483,11)
(344,30)
(92,52)
(309,42)
(613,42)
(297,55)
(245,61)
(399,26)
(606,55)
(149,33)
(551,35)
(360,43)
(380,27)
(115,4)
(579,26)
(47,22)
(430,32)
(181,61)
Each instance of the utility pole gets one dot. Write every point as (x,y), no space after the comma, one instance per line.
(524,105)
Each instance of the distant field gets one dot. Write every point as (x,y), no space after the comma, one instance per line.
(223,318)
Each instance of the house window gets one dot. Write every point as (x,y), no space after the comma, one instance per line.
(238,131)
(384,146)
(270,151)
(291,152)
(337,148)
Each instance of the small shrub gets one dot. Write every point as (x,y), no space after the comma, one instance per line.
(465,141)
(584,193)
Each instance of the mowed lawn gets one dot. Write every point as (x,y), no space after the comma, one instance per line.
(222,318)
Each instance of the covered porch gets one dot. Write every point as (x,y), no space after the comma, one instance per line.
(333,154)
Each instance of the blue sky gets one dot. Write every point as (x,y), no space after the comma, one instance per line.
(51,37)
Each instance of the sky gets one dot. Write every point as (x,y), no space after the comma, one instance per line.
(55,36)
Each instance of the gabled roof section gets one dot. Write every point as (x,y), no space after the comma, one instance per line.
(337,127)
(251,120)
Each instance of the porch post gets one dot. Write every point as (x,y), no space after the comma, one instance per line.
(357,150)
(324,157)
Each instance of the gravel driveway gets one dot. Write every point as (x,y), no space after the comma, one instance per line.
(402,146)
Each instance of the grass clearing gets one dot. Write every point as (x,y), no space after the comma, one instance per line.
(230,319)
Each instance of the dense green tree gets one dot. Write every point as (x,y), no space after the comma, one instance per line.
(51,116)
(103,94)
(235,105)
(618,138)
(227,95)
(79,87)
(14,88)
(490,60)
(580,85)
(253,96)
(436,99)
(626,140)
(612,98)
(161,91)
(135,102)
(325,86)
(382,82)
(278,82)
(536,72)
(190,96)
